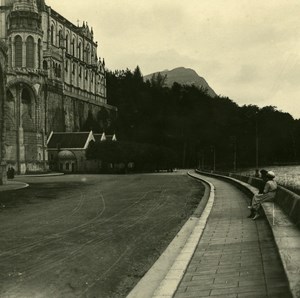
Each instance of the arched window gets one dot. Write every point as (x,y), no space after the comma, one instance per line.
(73,47)
(59,71)
(87,53)
(52,35)
(60,39)
(45,65)
(67,43)
(18,51)
(30,52)
(39,53)
(55,69)
(79,51)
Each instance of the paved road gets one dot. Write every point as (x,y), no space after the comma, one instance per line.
(93,236)
(236,256)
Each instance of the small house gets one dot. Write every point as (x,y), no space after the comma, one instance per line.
(67,151)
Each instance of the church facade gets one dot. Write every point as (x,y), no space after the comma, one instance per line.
(55,81)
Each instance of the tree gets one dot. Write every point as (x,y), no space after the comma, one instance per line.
(187,120)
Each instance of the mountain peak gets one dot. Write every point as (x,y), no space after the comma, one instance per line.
(184,76)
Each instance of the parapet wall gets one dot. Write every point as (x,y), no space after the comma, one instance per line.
(288,201)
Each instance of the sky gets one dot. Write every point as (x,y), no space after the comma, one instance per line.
(248,51)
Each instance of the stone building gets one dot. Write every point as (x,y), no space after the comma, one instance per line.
(67,151)
(55,81)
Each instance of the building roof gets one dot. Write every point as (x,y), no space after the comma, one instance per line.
(69,140)
(100,137)
(66,155)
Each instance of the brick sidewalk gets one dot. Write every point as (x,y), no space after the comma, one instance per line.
(236,256)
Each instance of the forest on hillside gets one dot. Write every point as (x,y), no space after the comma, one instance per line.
(198,129)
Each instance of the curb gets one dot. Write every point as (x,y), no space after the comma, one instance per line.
(40,175)
(164,277)
(13,185)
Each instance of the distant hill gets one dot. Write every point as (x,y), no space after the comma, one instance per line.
(184,76)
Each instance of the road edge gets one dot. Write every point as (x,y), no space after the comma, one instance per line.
(165,275)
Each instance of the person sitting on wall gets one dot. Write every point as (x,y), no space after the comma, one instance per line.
(268,195)
(263,176)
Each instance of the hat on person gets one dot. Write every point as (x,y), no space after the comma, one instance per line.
(271,174)
(263,172)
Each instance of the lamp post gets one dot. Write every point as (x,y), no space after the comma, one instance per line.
(256,143)
(233,140)
(213,149)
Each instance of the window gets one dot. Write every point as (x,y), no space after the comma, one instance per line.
(18,51)
(52,35)
(87,53)
(79,51)
(73,47)
(73,70)
(67,66)
(59,71)
(55,68)
(45,65)
(67,43)
(80,71)
(60,39)
(30,52)
(39,53)
(67,166)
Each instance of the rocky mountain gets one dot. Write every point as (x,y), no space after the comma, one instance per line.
(184,76)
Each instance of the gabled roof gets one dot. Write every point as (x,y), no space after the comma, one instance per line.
(69,140)
(100,137)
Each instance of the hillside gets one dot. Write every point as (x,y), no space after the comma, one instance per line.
(184,76)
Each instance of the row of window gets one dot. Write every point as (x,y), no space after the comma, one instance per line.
(89,54)
(30,52)
(57,71)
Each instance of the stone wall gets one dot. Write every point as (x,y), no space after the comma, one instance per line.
(288,201)
(70,114)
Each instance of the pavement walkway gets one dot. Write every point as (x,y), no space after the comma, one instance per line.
(236,256)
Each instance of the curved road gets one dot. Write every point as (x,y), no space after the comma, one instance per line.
(89,236)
